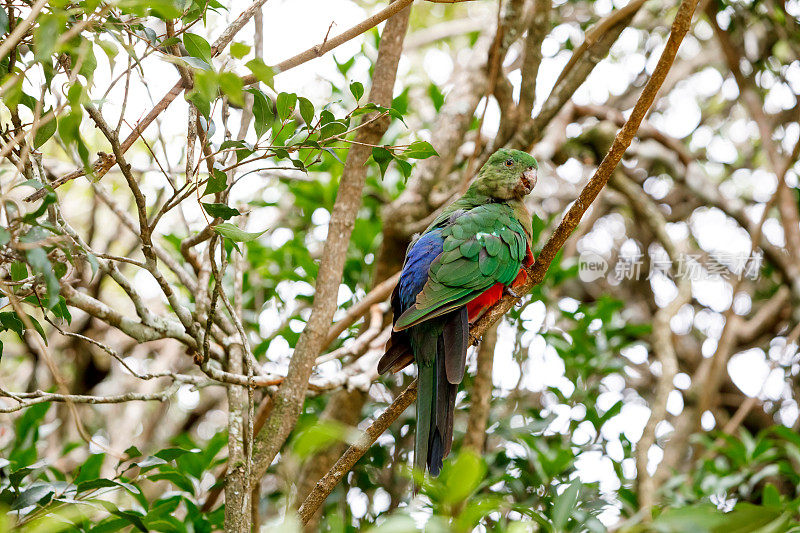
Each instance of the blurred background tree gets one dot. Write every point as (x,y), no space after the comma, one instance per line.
(205,205)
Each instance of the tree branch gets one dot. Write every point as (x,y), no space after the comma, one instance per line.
(289,398)
(537,271)
(346,462)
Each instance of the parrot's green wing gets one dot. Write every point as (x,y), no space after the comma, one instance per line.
(482,246)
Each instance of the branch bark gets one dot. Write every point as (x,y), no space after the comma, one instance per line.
(481,394)
(290,395)
(325,486)
(537,271)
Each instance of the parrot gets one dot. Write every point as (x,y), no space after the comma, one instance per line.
(473,253)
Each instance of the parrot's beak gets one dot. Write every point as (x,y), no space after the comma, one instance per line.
(528,180)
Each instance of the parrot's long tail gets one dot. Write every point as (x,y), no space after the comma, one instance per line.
(437,387)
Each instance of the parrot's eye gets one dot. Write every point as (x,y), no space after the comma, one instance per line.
(509,162)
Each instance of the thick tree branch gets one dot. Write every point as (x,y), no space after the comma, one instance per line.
(289,398)
(481,394)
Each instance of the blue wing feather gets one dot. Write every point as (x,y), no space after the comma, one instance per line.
(415,270)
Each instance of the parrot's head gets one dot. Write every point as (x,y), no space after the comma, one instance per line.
(508,174)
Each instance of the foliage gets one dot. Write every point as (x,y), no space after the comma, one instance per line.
(134,287)
(145,493)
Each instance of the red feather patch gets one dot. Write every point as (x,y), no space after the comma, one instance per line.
(488,298)
(492,295)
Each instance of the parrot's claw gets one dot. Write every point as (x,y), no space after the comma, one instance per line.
(512,292)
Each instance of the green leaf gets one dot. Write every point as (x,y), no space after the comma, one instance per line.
(10,320)
(771,496)
(217,182)
(382,157)
(285,105)
(460,478)
(93,484)
(18,271)
(38,327)
(405,167)
(197,47)
(206,84)
(88,60)
(243,149)
(701,518)
(436,95)
(164,9)
(148,463)
(231,85)
(262,112)
(564,505)
(306,110)
(176,478)
(26,432)
(132,517)
(261,71)
(332,129)
(220,211)
(45,131)
(37,259)
(170,41)
(169,454)
(102,483)
(68,127)
(133,452)
(368,108)
(28,101)
(202,104)
(36,493)
(3,22)
(45,35)
(420,150)
(394,113)
(326,116)
(198,64)
(320,436)
(235,234)
(357,90)
(61,310)
(90,468)
(749,518)
(239,50)
(92,262)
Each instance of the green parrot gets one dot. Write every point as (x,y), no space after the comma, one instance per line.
(474,251)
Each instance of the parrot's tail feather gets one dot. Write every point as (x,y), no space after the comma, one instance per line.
(401,363)
(440,439)
(398,354)
(426,400)
(435,454)
(441,355)
(446,392)
(456,340)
